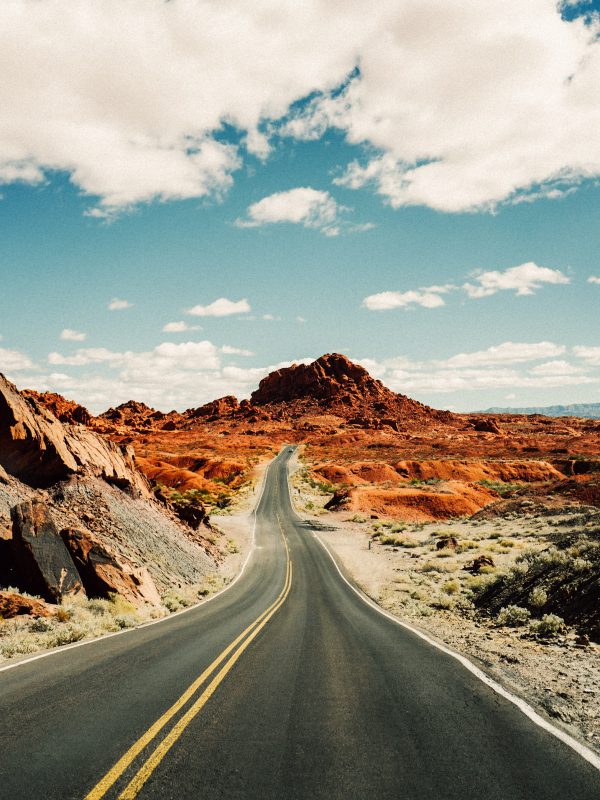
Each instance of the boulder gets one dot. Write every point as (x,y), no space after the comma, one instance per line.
(447,543)
(476,565)
(42,561)
(15,605)
(103,573)
(486,426)
(40,450)
(192,514)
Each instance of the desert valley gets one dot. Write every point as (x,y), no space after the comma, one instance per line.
(483,529)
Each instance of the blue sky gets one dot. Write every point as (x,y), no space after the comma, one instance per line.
(444,233)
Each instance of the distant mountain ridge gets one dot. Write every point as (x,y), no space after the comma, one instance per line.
(590,410)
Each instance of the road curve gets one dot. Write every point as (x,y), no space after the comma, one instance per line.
(287,686)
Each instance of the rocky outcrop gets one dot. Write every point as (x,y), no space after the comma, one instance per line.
(103,573)
(15,605)
(42,561)
(64,410)
(486,425)
(40,450)
(335,384)
(217,408)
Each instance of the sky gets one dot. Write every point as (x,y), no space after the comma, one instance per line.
(194,193)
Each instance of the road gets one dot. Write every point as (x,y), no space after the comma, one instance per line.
(313,695)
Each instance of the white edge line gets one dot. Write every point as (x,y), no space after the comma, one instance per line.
(57,650)
(523,706)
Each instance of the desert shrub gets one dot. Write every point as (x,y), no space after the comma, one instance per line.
(358,518)
(548,626)
(40,625)
(538,597)
(232,547)
(513,616)
(451,586)
(126,621)
(443,602)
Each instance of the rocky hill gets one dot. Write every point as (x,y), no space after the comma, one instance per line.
(78,518)
(335,384)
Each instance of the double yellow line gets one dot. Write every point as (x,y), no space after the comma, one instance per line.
(135,785)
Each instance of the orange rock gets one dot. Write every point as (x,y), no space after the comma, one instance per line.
(14,605)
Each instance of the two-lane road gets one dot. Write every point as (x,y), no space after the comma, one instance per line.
(288,685)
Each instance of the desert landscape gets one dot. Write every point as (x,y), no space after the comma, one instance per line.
(481,529)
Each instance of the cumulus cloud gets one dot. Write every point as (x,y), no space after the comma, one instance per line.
(504,366)
(179,327)
(523,280)
(221,308)
(458,106)
(116,304)
(593,279)
(301,206)
(171,375)
(14,360)
(70,335)
(427,297)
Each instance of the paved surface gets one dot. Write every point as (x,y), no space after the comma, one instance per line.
(321,698)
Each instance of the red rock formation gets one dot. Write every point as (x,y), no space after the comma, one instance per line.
(43,563)
(336,384)
(64,410)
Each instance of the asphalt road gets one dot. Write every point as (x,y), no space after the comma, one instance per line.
(317,696)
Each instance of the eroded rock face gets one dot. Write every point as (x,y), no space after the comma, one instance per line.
(40,450)
(15,605)
(43,563)
(103,573)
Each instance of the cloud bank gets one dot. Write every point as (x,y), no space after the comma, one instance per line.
(456,105)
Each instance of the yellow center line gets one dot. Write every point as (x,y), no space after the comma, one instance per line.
(102,787)
(132,790)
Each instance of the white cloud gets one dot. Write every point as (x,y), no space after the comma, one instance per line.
(523,280)
(427,297)
(508,365)
(506,353)
(116,304)
(221,308)
(593,279)
(235,351)
(589,354)
(70,335)
(180,327)
(13,360)
(301,206)
(169,376)
(460,105)
(300,319)
(556,368)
